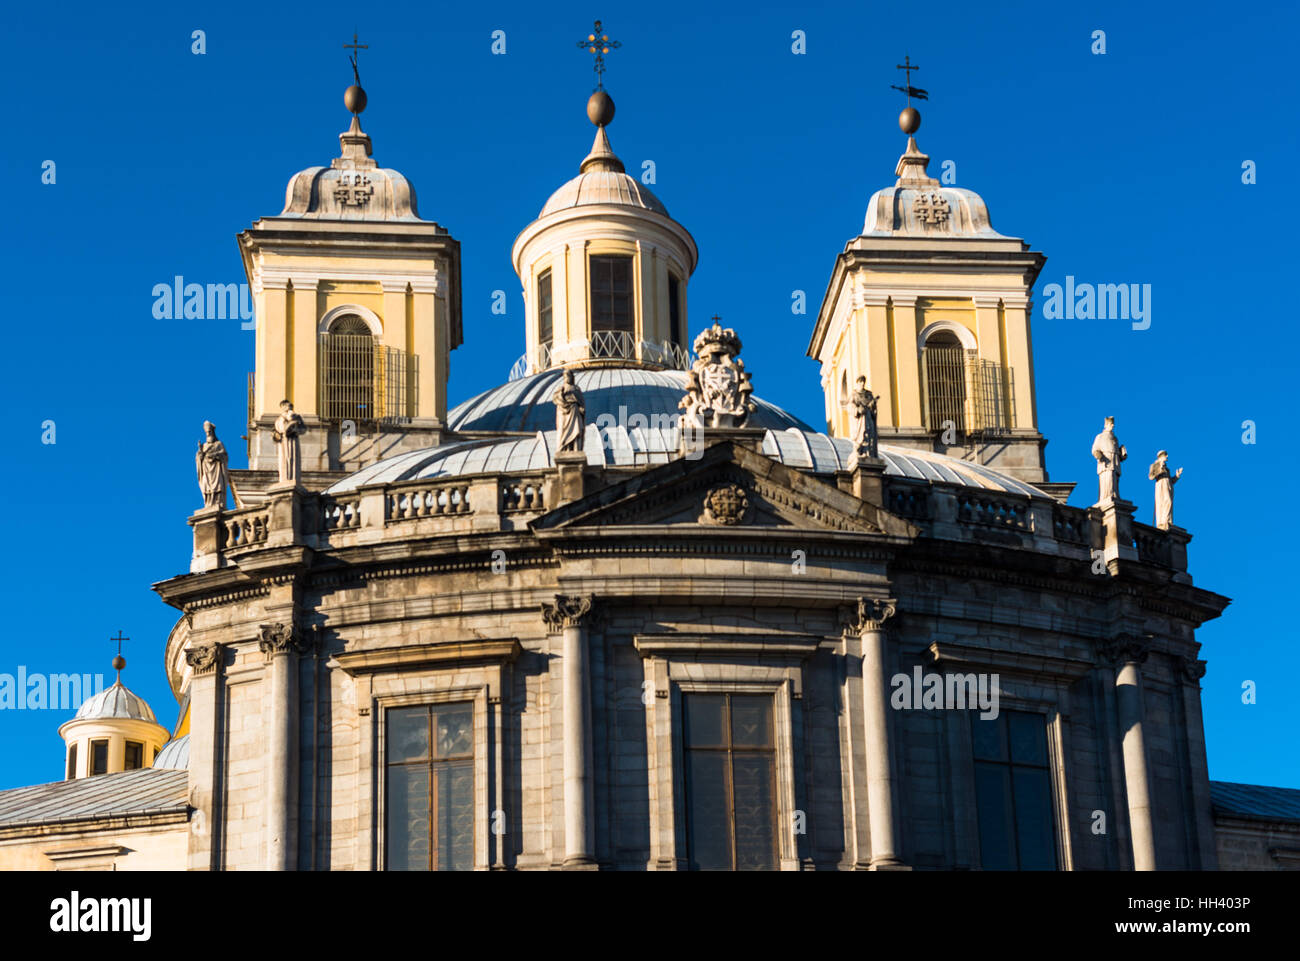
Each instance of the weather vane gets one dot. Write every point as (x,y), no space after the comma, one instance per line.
(356,49)
(911,91)
(599,44)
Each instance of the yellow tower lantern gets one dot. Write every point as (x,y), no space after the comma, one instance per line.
(932,307)
(357,302)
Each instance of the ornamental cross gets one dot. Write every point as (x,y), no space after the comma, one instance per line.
(356,49)
(598,43)
(119,640)
(907,67)
(931,208)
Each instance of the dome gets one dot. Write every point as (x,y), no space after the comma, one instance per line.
(115,702)
(610,392)
(632,422)
(337,193)
(603,187)
(175,754)
(920,206)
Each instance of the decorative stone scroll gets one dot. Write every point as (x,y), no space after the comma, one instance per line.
(1124,648)
(279,639)
(718,388)
(568,610)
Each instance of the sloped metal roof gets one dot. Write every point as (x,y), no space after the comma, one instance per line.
(146,791)
(1255,801)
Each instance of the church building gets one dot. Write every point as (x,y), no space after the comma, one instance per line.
(623,613)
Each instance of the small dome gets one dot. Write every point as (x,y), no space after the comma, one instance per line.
(115,702)
(175,754)
(920,206)
(603,187)
(365,193)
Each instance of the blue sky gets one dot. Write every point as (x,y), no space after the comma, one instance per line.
(1122,168)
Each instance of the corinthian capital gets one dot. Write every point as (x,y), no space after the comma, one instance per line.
(278,639)
(567,611)
(869,615)
(204,659)
(1125,648)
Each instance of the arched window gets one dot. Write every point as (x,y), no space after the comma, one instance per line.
(944,364)
(348,370)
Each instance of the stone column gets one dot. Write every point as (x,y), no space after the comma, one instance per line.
(868,622)
(206,720)
(280,647)
(567,617)
(1127,656)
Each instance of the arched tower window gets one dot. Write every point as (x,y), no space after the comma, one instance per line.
(944,363)
(348,370)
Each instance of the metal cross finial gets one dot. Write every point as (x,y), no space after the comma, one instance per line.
(119,640)
(356,48)
(119,662)
(598,43)
(715,318)
(907,66)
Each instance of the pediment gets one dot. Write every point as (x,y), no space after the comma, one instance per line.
(728,487)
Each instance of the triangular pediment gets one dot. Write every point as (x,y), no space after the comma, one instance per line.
(727,487)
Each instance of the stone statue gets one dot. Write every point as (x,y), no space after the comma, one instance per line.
(718,388)
(210,465)
(570,415)
(865,438)
(1165,481)
(1109,453)
(289,426)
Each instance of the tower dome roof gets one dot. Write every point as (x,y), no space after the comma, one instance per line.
(115,702)
(920,206)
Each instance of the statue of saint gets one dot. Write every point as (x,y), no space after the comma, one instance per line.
(288,427)
(1165,482)
(1109,453)
(570,415)
(865,438)
(210,465)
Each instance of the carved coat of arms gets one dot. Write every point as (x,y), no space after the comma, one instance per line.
(718,389)
(727,504)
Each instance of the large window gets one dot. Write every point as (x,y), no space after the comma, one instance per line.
(429,797)
(675,310)
(611,294)
(730,755)
(348,370)
(545,320)
(1013,792)
(99,757)
(945,383)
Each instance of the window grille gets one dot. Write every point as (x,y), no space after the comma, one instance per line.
(362,380)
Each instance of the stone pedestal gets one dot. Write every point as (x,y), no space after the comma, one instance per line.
(570,484)
(695,441)
(868,480)
(1117,530)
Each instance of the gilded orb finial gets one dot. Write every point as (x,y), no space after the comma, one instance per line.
(909,121)
(354,98)
(600,108)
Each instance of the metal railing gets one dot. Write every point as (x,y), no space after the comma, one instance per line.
(958,387)
(363,380)
(605,345)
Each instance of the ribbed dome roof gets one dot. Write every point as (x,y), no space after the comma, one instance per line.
(611,392)
(175,754)
(603,187)
(116,702)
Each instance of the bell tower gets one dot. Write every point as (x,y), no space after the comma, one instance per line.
(932,306)
(357,301)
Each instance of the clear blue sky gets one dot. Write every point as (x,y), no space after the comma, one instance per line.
(1121,168)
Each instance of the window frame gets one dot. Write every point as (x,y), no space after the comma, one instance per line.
(628,258)
(546,333)
(676,335)
(72,762)
(1050,766)
(90,756)
(126,755)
